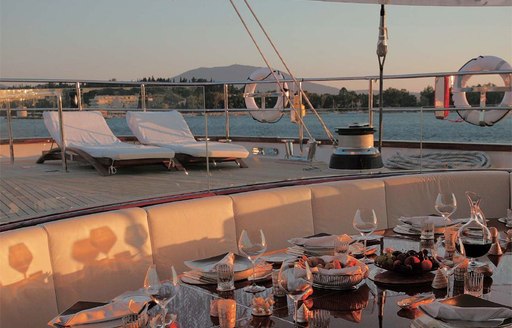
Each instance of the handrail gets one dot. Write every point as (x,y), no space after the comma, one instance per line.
(304,79)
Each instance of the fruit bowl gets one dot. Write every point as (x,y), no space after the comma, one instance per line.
(337,272)
(408,263)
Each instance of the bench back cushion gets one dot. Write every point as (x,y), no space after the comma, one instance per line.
(189,230)
(97,257)
(416,194)
(335,203)
(27,292)
(281,213)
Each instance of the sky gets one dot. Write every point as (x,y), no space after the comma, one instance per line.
(129,39)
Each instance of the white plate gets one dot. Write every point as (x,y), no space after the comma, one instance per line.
(404,230)
(333,287)
(439,222)
(241,263)
(504,220)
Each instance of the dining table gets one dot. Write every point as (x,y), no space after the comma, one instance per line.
(369,304)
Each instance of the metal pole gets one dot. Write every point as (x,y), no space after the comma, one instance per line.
(370,103)
(62,137)
(78,95)
(11,138)
(301,121)
(382,50)
(226,109)
(381,80)
(143,96)
(206,140)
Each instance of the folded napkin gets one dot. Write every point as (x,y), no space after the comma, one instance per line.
(450,312)
(320,242)
(212,267)
(261,270)
(120,307)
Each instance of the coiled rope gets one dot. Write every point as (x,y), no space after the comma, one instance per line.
(439,160)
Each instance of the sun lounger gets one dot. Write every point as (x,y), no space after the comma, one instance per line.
(169,129)
(88,138)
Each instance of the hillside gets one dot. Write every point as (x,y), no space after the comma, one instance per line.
(240,73)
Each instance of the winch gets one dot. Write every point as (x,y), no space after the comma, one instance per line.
(356,149)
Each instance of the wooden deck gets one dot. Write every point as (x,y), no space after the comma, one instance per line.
(29,190)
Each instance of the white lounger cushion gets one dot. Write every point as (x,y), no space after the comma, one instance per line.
(169,129)
(88,131)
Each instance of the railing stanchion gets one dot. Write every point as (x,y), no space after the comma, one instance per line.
(143,96)
(11,138)
(370,103)
(226,109)
(78,95)
(62,137)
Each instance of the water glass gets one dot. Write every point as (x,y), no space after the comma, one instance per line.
(133,321)
(225,277)
(227,313)
(450,238)
(474,283)
(319,319)
(277,290)
(341,247)
(427,230)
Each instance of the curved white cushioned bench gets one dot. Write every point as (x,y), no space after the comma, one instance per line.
(96,257)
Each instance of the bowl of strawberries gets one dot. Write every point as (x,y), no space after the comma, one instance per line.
(337,272)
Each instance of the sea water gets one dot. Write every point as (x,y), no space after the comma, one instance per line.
(407,126)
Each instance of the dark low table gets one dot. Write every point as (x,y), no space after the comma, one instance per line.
(370,305)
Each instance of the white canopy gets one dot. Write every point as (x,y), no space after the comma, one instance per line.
(452,3)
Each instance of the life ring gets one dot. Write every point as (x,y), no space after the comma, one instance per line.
(481,117)
(265,115)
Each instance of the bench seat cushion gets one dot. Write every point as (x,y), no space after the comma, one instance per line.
(416,194)
(27,291)
(99,256)
(282,213)
(335,203)
(189,230)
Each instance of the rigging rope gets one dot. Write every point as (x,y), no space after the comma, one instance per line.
(272,71)
(439,160)
(297,85)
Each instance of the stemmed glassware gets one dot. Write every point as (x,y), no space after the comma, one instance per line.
(252,249)
(365,221)
(296,280)
(161,292)
(446,205)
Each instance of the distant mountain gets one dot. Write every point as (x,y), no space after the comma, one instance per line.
(240,73)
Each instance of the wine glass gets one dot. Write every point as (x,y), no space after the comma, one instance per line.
(252,249)
(296,280)
(161,292)
(475,240)
(365,221)
(446,204)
